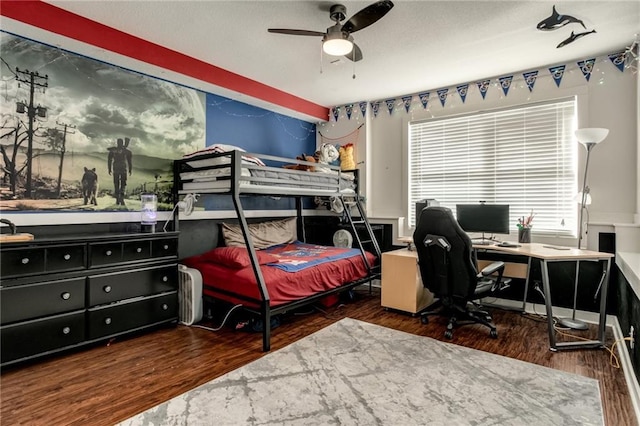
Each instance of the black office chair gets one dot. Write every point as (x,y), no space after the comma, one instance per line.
(448,267)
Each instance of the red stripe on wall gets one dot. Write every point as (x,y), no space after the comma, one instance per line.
(60,21)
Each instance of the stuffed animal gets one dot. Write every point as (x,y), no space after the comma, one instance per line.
(325,155)
(346,157)
(304,167)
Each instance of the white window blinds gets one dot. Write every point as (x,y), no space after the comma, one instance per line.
(523,156)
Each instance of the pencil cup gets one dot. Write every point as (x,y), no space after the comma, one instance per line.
(524,235)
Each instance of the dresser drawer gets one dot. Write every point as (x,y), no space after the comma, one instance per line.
(104,254)
(41,299)
(30,338)
(66,258)
(111,287)
(117,318)
(22,261)
(136,250)
(166,247)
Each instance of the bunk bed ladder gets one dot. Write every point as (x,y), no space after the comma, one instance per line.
(370,242)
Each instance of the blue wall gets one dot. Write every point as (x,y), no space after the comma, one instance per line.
(257,130)
(260,131)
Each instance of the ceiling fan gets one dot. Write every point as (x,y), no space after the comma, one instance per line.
(337,40)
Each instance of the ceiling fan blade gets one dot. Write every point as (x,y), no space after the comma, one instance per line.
(367,16)
(355,55)
(295,32)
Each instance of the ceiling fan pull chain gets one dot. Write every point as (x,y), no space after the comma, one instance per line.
(354,70)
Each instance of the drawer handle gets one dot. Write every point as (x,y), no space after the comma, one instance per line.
(107,288)
(107,320)
(166,246)
(138,250)
(109,253)
(67,256)
(25,260)
(165,279)
(66,295)
(165,306)
(66,330)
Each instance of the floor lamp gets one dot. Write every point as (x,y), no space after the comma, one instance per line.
(589,138)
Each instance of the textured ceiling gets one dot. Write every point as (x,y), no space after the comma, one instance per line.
(418,45)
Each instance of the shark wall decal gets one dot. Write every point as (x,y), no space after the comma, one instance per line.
(573,37)
(556,21)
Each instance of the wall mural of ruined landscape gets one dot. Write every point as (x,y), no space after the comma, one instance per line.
(81,135)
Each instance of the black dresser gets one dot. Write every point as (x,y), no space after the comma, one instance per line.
(60,293)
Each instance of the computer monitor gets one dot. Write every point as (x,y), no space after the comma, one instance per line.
(484,218)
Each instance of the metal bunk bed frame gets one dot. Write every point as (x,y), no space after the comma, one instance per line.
(266,311)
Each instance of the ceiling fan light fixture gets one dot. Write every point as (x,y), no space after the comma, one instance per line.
(337,45)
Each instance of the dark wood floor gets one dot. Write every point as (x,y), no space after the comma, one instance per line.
(110,383)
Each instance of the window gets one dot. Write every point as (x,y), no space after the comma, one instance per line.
(524,156)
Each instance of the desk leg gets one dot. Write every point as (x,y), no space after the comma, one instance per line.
(603,301)
(526,286)
(586,344)
(547,302)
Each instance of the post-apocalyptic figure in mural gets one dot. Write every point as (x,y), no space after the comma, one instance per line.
(119,162)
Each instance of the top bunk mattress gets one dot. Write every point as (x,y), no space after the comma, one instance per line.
(214,172)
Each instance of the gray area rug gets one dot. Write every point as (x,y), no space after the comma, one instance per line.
(356,373)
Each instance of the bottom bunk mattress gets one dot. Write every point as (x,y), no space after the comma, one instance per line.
(291,271)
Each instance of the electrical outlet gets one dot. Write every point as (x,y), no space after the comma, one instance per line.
(632,335)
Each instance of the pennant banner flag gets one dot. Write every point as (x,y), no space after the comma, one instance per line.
(462,91)
(618,60)
(391,104)
(483,86)
(442,94)
(406,100)
(557,73)
(530,79)
(336,113)
(586,67)
(375,106)
(505,83)
(424,99)
(349,110)
(363,108)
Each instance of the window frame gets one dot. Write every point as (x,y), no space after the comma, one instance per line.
(570,226)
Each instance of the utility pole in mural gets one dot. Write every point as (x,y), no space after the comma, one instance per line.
(33,79)
(62,148)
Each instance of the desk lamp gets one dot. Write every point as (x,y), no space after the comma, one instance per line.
(589,138)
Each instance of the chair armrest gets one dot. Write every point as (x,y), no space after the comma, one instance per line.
(492,268)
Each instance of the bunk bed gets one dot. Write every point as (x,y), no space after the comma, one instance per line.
(252,270)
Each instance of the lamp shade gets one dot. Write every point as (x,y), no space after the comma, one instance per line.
(336,44)
(591,135)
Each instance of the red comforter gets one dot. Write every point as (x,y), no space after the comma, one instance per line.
(237,275)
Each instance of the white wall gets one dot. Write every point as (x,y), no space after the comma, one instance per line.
(609,99)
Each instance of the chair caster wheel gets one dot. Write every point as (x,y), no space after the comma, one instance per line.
(493,334)
(448,334)
(424,320)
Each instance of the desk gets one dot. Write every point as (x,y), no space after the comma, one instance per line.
(547,254)
(401,285)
